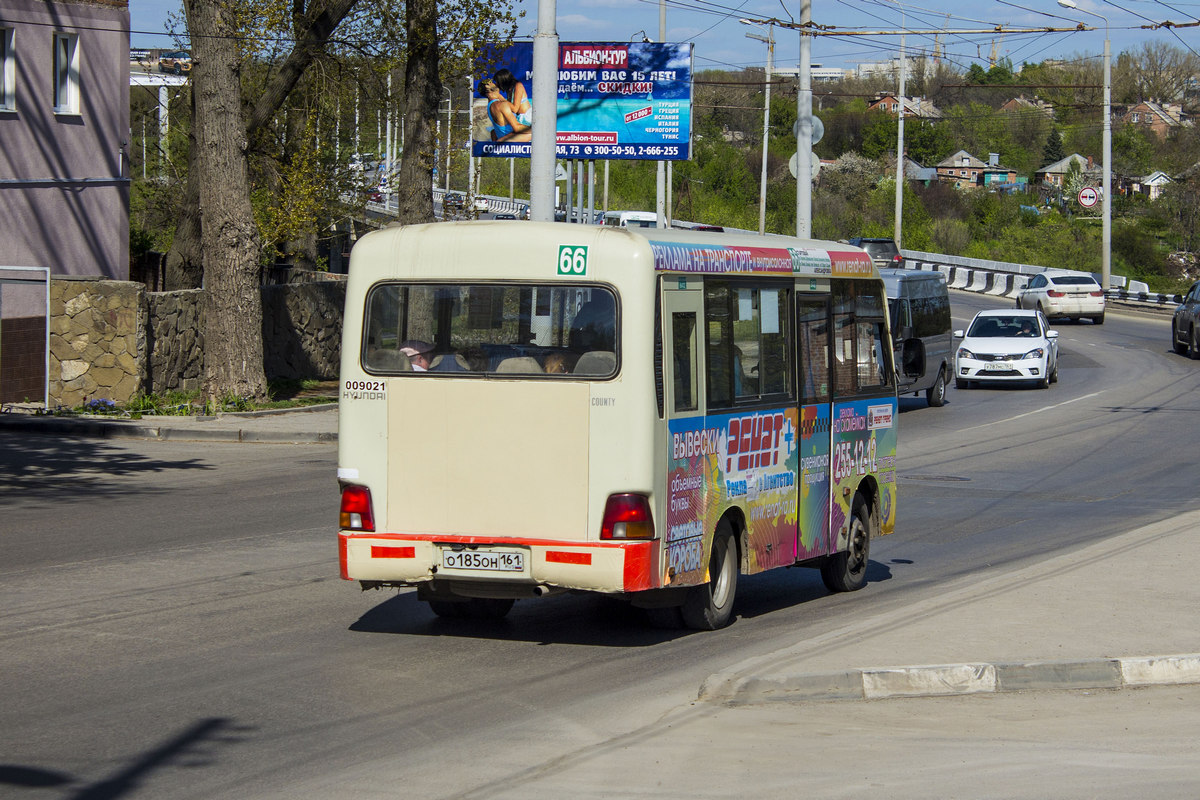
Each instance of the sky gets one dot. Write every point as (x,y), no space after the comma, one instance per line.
(721,42)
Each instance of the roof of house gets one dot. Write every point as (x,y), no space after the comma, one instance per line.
(1064,165)
(913,106)
(955,161)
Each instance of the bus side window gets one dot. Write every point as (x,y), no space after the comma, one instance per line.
(813,322)
(860,357)
(683,331)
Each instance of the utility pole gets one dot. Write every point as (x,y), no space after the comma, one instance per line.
(661,183)
(1106,185)
(804,128)
(769,39)
(900,138)
(545,97)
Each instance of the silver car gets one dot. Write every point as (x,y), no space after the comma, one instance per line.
(1185,325)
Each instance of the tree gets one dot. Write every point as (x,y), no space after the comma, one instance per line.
(233,304)
(422,93)
(312,26)
(219,239)
(1053,151)
(1154,71)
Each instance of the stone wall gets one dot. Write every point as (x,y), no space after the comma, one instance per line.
(97,340)
(113,340)
(302,329)
(176,341)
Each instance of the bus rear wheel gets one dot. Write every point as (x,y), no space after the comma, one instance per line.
(847,571)
(710,605)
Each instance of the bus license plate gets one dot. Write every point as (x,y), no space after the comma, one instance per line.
(998,366)
(484,560)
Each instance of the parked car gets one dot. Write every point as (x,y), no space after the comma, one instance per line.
(1005,346)
(1185,325)
(1074,294)
(882,251)
(178,62)
(919,307)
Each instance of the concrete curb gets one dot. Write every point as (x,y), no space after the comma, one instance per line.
(125,429)
(939,680)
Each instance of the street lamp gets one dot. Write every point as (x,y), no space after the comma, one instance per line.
(1106,188)
(769,39)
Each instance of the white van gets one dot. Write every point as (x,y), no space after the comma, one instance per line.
(630,219)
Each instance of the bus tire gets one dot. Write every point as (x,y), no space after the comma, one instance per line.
(448,609)
(710,605)
(847,571)
(666,618)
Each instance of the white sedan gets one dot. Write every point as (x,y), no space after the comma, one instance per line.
(1068,294)
(1005,346)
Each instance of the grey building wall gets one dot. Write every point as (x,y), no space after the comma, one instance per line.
(64,188)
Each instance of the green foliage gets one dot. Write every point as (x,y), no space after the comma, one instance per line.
(1053,151)
(1133,153)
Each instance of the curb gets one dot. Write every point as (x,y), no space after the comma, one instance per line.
(103,429)
(941,680)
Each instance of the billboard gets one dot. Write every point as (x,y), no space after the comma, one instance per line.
(616,100)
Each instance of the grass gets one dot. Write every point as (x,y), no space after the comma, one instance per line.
(281,393)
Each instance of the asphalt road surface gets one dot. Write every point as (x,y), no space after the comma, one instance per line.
(172,624)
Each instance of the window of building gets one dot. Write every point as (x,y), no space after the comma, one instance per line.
(65,66)
(8,67)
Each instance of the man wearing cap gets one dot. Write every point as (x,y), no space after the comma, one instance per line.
(418,354)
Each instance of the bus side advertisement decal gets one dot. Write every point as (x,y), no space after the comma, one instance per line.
(814,481)
(672,257)
(751,460)
(864,444)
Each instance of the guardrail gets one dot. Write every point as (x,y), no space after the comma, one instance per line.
(1005,279)
(388,205)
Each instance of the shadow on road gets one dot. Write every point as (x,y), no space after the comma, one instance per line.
(192,748)
(33,466)
(594,620)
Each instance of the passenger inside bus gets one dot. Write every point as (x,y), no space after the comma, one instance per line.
(594,327)
(418,353)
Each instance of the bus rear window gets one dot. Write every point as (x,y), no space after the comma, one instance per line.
(508,330)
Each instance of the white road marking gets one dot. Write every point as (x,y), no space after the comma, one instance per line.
(1036,411)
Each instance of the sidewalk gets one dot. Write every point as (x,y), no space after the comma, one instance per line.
(308,425)
(1116,614)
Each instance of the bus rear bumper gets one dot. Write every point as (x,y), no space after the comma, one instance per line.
(403,559)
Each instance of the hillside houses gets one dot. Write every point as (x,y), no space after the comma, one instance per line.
(914,107)
(1156,118)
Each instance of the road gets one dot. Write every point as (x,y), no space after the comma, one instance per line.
(173,625)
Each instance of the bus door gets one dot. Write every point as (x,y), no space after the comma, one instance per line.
(691,447)
(813,353)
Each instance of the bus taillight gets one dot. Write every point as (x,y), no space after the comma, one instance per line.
(627,516)
(356,509)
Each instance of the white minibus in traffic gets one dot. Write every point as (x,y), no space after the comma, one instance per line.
(533,408)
